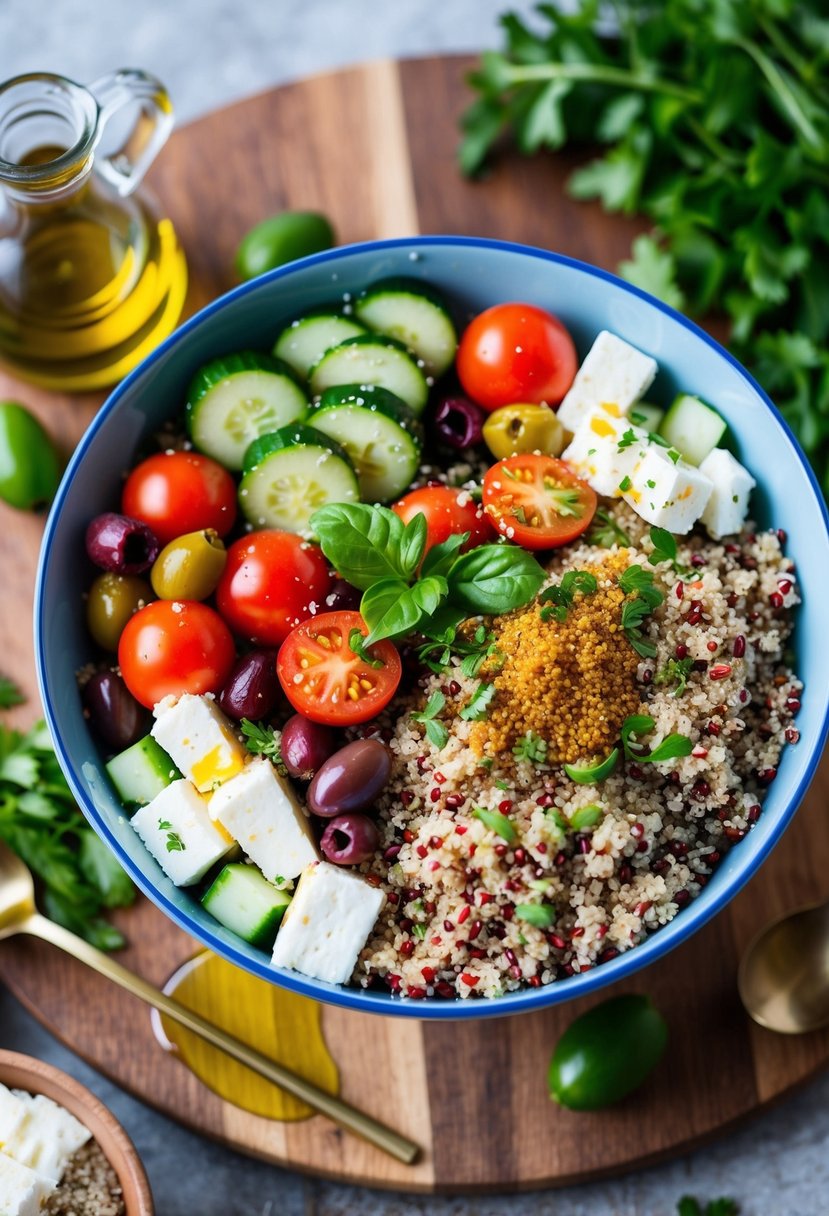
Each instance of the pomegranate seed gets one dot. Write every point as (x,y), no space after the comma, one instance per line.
(642,908)
(416,994)
(792,734)
(407,947)
(712,728)
(743,696)
(535,981)
(501,850)
(471,853)
(406,924)
(475,929)
(754,616)
(520,856)
(476,952)
(679,590)
(637,831)
(445,990)
(700,752)
(734,834)
(682,898)
(784,585)
(642,846)
(544,800)
(439,777)
(739,647)
(781,535)
(700,790)
(485,898)
(560,859)
(766,776)
(460,829)
(712,646)
(698,560)
(608,955)
(577,932)
(681,651)
(776,599)
(454,801)
(679,848)
(422,766)
(434,793)
(625,872)
(433,865)
(792,705)
(407,797)
(393,897)
(732,548)
(601,932)
(696,605)
(448,926)
(428,974)
(647,676)
(515,971)
(555,940)
(508,911)
(711,859)
(469,980)
(463,915)
(454,688)
(391,852)
(505,807)
(421,850)
(435,842)
(509,955)
(541,847)
(732,600)
(754,812)
(436,941)
(636,771)
(408,835)
(720,671)
(512,885)
(584,844)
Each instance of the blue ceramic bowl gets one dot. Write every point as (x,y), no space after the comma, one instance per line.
(474,274)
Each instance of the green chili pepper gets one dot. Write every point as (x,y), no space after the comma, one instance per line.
(280,239)
(607,1053)
(30,468)
(589,774)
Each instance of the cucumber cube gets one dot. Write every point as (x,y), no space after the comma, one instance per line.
(243,900)
(648,416)
(141,772)
(693,428)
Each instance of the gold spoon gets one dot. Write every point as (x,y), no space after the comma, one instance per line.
(784,974)
(19,915)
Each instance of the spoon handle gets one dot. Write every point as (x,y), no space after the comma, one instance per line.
(361,1124)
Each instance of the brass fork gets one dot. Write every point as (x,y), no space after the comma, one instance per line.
(18,914)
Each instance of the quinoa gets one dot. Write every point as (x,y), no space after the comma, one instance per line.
(480,905)
(89,1186)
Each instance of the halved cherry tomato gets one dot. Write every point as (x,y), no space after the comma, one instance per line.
(179,492)
(447,511)
(516,352)
(326,681)
(271,582)
(537,501)
(174,646)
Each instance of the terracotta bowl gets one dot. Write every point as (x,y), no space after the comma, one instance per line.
(23,1072)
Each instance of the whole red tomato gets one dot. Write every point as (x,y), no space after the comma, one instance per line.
(179,492)
(272,581)
(447,511)
(516,352)
(171,647)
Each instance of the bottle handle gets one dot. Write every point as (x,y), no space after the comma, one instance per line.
(125,167)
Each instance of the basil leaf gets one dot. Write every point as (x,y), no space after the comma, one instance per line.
(494,578)
(365,543)
(440,557)
(412,544)
(391,608)
(673,745)
(443,619)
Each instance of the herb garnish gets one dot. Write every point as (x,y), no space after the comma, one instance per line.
(675,671)
(543,916)
(605,532)
(625,484)
(437,654)
(688,1206)
(628,438)
(531,747)
(642,724)
(664,550)
(561,596)
(436,732)
(476,707)
(174,842)
(419,931)
(496,822)
(10,694)
(638,582)
(262,741)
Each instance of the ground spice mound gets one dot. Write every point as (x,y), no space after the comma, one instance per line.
(572,683)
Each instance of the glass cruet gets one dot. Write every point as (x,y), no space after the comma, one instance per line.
(91,273)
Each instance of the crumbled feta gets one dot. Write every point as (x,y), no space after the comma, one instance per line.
(605,450)
(177,829)
(38,1133)
(613,373)
(23,1192)
(200,739)
(726,509)
(666,491)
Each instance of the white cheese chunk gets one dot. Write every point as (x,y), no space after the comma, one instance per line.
(22,1191)
(200,739)
(613,373)
(726,509)
(177,829)
(260,810)
(327,923)
(38,1133)
(604,450)
(670,494)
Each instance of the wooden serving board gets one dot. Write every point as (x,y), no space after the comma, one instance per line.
(373,147)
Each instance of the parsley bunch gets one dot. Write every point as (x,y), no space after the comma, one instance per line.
(715,118)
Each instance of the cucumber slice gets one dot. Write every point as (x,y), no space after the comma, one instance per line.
(380,434)
(292,473)
(377,362)
(242,899)
(648,416)
(414,314)
(303,343)
(692,427)
(236,398)
(141,772)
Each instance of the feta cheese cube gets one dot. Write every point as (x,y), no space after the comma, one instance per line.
(23,1192)
(177,829)
(38,1133)
(605,449)
(613,373)
(260,810)
(669,494)
(327,923)
(195,733)
(726,509)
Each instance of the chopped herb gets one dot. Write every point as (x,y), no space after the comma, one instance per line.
(279,880)
(476,707)
(627,439)
(419,931)
(522,941)
(625,484)
(591,774)
(503,786)
(664,550)
(486,762)
(357,645)
(586,817)
(639,582)
(532,748)
(642,724)
(605,532)
(675,671)
(436,732)
(174,843)
(10,694)
(650,483)
(496,822)
(543,916)
(562,595)
(636,580)
(437,653)
(674,455)
(591,451)
(259,739)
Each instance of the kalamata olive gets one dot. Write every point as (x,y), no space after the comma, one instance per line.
(341,596)
(351,779)
(113,712)
(305,746)
(112,600)
(350,839)
(252,688)
(458,422)
(120,544)
(189,567)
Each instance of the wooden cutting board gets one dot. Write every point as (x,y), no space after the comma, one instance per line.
(373,147)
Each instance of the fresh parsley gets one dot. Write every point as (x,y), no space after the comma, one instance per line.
(174,842)
(637,582)
(473,651)
(497,823)
(605,531)
(476,707)
(259,739)
(559,598)
(676,672)
(642,724)
(436,732)
(531,747)
(664,550)
(10,694)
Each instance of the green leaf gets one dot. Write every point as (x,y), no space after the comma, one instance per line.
(672,746)
(543,916)
(653,269)
(412,545)
(664,546)
(391,609)
(475,709)
(10,694)
(440,557)
(543,125)
(616,179)
(259,738)
(618,116)
(605,532)
(19,769)
(436,732)
(493,579)
(531,748)
(367,543)
(496,822)
(101,869)
(586,817)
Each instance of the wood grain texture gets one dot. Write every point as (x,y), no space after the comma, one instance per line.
(374,148)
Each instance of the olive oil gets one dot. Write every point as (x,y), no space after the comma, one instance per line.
(283,1026)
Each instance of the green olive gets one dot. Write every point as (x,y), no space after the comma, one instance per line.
(515,429)
(280,239)
(112,600)
(189,568)
(607,1053)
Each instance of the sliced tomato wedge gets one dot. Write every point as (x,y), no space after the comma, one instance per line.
(326,681)
(537,501)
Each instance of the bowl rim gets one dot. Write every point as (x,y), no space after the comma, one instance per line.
(692,918)
(26,1072)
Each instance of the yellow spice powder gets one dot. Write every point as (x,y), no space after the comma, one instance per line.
(572,683)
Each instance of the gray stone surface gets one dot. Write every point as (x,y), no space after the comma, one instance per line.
(209,52)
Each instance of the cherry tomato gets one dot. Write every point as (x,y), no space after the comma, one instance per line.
(271,582)
(537,501)
(179,492)
(326,681)
(516,352)
(447,511)
(172,647)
